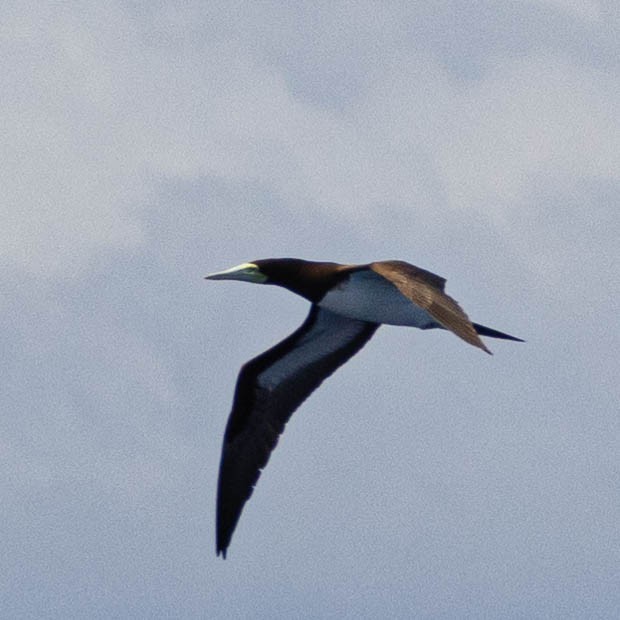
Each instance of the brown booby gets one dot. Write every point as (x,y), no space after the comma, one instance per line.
(349,302)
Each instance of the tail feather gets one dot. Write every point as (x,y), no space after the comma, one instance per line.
(493,333)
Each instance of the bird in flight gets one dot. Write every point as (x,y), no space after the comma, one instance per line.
(348,303)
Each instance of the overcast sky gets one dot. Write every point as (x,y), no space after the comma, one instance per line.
(145,144)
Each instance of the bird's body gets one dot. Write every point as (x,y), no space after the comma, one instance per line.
(349,302)
(367,296)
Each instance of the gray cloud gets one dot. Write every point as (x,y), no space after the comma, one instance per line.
(104,102)
(147,145)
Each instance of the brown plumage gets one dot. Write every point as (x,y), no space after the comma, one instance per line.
(425,289)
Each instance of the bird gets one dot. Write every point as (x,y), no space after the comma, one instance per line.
(348,304)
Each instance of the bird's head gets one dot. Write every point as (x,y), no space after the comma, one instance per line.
(306,278)
(279,271)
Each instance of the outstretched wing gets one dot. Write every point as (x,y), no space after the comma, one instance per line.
(425,289)
(269,389)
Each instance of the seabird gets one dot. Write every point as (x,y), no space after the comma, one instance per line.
(349,302)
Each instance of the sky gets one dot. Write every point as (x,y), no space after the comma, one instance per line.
(146,144)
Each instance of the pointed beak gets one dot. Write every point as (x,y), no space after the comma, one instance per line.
(220,275)
(246,272)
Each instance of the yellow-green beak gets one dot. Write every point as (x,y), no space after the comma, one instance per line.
(246,272)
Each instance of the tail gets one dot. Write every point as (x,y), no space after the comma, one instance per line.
(493,333)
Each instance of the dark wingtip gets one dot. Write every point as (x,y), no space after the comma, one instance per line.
(221,545)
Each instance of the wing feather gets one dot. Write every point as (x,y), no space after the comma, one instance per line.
(425,289)
(269,389)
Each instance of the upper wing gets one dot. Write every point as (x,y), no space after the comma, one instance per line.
(269,389)
(425,289)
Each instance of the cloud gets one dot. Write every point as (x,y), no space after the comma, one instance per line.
(145,142)
(533,118)
(103,104)
(587,9)
(68,187)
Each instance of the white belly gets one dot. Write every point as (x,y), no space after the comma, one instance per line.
(370,297)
